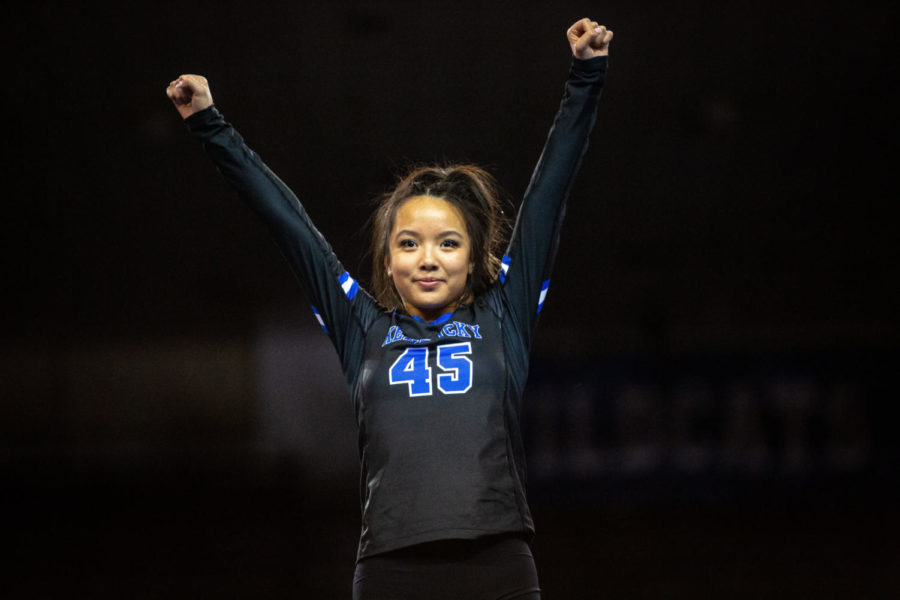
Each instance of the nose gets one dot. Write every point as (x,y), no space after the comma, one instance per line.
(428,262)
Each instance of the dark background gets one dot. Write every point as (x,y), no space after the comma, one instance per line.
(713,399)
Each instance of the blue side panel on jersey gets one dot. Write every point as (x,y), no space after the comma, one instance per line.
(544,287)
(504,267)
(348,284)
(319,319)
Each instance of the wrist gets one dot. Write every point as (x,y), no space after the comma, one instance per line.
(591,65)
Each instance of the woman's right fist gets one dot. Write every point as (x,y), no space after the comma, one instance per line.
(189,94)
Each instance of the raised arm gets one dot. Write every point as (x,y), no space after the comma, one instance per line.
(335,296)
(529,259)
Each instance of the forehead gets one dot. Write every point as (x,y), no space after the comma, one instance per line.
(423,212)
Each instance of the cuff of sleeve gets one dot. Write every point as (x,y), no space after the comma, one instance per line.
(199,120)
(589,66)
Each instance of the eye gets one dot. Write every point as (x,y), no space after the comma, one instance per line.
(407,243)
(450,243)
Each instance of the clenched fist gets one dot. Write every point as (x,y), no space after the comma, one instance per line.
(189,94)
(589,39)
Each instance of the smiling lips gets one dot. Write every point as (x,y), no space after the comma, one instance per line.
(428,283)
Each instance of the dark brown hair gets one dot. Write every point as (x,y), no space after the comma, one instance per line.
(475,193)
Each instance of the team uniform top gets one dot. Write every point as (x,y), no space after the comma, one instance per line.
(438,403)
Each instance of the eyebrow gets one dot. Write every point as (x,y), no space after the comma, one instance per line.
(410,232)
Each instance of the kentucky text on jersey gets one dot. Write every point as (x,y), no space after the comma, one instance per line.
(457,329)
(454,329)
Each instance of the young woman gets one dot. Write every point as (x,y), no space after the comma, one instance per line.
(437,360)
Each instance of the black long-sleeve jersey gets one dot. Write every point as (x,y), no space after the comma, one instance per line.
(438,403)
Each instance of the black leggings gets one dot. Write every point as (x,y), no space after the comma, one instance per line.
(494,568)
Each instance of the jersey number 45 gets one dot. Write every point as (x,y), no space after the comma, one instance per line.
(412,368)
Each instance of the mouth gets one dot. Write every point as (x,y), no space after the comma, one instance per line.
(428,283)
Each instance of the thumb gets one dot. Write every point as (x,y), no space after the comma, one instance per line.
(584,41)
